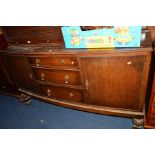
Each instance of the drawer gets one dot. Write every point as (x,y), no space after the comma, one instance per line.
(68,94)
(58,76)
(54,61)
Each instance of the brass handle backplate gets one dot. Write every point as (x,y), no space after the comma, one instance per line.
(37,62)
(66,78)
(30,75)
(42,76)
(62,61)
(49,92)
(71,94)
(86,84)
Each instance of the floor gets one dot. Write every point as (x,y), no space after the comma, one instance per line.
(40,115)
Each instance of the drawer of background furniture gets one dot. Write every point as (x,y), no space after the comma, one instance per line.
(54,61)
(58,76)
(69,94)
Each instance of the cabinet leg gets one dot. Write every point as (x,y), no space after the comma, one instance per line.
(137,123)
(25,98)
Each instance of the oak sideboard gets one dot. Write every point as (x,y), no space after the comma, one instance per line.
(104,81)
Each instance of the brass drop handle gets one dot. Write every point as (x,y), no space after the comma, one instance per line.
(49,92)
(66,78)
(37,62)
(86,84)
(62,61)
(42,76)
(71,94)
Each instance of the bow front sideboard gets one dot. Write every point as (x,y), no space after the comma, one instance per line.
(104,81)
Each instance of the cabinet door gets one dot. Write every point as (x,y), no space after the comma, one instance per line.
(113,81)
(22,74)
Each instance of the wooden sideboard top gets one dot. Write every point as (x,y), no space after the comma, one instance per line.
(49,50)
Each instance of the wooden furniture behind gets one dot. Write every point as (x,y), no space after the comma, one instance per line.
(150,108)
(103,81)
(7,83)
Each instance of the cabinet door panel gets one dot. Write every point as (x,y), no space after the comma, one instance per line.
(19,68)
(113,81)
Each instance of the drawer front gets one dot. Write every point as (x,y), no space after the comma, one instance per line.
(58,76)
(68,94)
(54,61)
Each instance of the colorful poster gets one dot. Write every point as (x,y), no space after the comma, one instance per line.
(120,36)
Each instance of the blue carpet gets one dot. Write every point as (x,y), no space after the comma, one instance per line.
(40,115)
